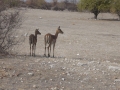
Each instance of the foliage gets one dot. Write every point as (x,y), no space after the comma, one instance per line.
(12,3)
(40,3)
(94,6)
(36,3)
(115,7)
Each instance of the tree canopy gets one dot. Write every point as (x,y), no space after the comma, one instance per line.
(115,7)
(94,6)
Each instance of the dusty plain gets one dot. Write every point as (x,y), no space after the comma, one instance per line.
(87,55)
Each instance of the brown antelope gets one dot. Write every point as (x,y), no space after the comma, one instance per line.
(33,41)
(51,39)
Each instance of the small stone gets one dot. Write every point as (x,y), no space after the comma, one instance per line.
(117,80)
(63,79)
(40,17)
(63,68)
(96,78)
(25,34)
(38,70)
(49,62)
(34,86)
(65,58)
(31,74)
(51,66)
(50,79)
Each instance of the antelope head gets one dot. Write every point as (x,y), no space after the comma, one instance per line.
(37,31)
(59,30)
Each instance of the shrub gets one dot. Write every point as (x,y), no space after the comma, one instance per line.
(36,3)
(12,3)
(9,20)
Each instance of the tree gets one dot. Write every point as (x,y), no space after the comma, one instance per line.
(41,3)
(36,3)
(94,6)
(12,3)
(115,7)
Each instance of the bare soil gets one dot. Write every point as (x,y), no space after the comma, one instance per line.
(87,55)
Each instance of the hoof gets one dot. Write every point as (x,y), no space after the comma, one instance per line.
(45,55)
(48,55)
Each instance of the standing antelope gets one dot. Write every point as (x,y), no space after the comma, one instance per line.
(33,41)
(51,39)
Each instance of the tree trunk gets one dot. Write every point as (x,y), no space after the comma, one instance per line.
(119,16)
(95,14)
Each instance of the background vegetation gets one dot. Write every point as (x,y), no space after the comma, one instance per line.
(93,6)
(9,20)
(98,6)
(115,7)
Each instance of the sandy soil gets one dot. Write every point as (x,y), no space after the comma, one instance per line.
(87,55)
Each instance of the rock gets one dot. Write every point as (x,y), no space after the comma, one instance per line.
(31,74)
(34,86)
(63,79)
(117,80)
(50,79)
(52,65)
(68,74)
(40,17)
(114,68)
(54,88)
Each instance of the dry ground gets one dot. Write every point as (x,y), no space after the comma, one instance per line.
(87,55)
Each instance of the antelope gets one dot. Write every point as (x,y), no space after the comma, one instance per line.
(33,41)
(51,39)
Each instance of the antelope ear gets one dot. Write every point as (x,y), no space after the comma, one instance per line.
(59,27)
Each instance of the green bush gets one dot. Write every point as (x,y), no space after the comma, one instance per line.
(115,7)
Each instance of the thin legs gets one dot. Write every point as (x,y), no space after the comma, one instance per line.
(33,49)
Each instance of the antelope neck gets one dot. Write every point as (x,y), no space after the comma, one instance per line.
(36,36)
(56,34)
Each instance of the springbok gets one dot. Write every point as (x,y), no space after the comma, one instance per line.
(33,41)
(51,39)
